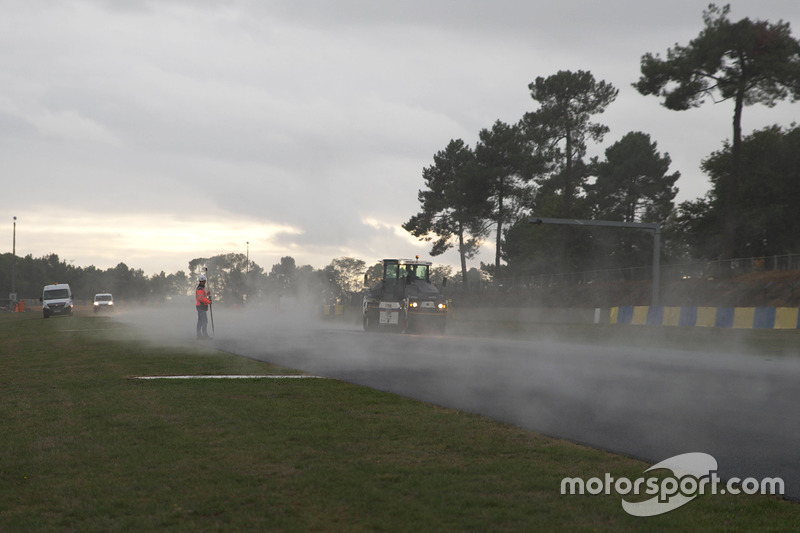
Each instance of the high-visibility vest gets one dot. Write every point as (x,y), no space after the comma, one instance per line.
(201,297)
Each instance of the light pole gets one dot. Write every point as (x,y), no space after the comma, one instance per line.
(14,263)
(247,265)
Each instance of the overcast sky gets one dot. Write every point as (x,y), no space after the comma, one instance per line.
(155,132)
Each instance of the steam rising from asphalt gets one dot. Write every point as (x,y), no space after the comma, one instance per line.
(629,397)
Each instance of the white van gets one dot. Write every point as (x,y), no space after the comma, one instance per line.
(57,300)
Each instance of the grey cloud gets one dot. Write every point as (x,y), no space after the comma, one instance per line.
(314,114)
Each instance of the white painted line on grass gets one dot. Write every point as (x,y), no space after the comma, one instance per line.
(90,329)
(231,377)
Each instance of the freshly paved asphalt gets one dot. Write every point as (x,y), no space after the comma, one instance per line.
(648,403)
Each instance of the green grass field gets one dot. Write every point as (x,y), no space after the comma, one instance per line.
(85,447)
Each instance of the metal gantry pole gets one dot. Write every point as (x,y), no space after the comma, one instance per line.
(655,228)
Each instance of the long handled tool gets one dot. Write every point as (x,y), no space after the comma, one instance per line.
(211,309)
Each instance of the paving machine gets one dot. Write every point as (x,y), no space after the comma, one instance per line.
(405,300)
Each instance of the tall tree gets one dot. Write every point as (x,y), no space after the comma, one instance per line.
(440,273)
(283,276)
(556,136)
(128,283)
(373,275)
(500,154)
(179,284)
(562,125)
(454,204)
(766,200)
(632,182)
(226,276)
(632,185)
(346,275)
(749,62)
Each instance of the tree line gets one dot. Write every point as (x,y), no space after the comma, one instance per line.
(539,166)
(233,279)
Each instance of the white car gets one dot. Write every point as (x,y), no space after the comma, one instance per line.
(103,301)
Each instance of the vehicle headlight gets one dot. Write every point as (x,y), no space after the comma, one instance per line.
(96,304)
(414,304)
(442,306)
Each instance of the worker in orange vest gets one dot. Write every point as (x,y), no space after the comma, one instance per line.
(202,301)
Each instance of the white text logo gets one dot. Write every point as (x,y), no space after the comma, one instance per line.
(693,474)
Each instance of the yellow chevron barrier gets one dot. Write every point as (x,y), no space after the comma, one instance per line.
(786,318)
(743,317)
(639,315)
(671,316)
(706,316)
